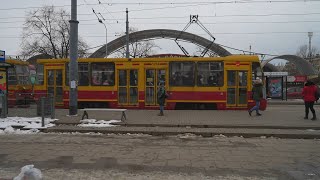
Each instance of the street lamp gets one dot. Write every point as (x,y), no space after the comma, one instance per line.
(310,34)
(100,21)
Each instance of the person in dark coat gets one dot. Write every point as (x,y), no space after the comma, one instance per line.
(161,98)
(309,96)
(257,96)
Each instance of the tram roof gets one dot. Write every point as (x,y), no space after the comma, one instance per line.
(246,58)
(15,61)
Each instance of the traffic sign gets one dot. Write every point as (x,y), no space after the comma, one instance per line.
(2,55)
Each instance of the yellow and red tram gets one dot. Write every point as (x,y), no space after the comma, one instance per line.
(19,86)
(191,82)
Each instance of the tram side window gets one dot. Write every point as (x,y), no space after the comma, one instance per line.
(83,74)
(12,78)
(22,74)
(182,73)
(210,74)
(39,80)
(102,74)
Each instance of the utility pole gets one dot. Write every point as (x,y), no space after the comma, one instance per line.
(310,34)
(73,65)
(127,34)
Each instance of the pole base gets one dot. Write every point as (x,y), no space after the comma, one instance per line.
(73,110)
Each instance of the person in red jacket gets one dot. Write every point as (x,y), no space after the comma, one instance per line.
(309,96)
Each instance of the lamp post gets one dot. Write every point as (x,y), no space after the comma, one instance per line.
(100,21)
(310,34)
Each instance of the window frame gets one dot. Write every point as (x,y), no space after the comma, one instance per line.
(171,73)
(39,74)
(13,74)
(92,70)
(210,71)
(88,72)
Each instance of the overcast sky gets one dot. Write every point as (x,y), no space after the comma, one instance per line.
(275,27)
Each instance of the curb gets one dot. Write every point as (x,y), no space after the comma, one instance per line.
(169,132)
(219,126)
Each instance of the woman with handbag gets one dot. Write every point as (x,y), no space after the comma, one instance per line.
(309,93)
(257,96)
(162,95)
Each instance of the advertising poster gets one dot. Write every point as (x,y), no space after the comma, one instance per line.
(275,87)
(3,81)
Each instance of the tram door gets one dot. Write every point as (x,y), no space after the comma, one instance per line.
(153,79)
(237,88)
(128,87)
(54,84)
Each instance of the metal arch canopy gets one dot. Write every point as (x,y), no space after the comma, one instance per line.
(303,66)
(270,67)
(159,33)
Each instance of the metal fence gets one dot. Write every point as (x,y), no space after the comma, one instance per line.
(28,105)
(3,105)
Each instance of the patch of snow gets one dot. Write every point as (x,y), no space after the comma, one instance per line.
(187,136)
(220,135)
(9,124)
(312,130)
(97,123)
(9,130)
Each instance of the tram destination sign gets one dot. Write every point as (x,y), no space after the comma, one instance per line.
(2,56)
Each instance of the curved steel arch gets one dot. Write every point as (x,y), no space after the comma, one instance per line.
(270,68)
(303,66)
(159,33)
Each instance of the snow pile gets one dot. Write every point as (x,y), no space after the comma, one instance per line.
(29,172)
(220,136)
(10,130)
(187,136)
(97,123)
(12,125)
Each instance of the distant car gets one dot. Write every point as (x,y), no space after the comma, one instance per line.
(294,92)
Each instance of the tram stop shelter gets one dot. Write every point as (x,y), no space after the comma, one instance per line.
(3,84)
(276,85)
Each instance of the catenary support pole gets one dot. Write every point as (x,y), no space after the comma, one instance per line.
(73,65)
(127,34)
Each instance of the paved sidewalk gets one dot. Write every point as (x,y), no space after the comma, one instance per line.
(94,157)
(276,116)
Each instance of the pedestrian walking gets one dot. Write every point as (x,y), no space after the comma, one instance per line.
(162,95)
(256,96)
(310,95)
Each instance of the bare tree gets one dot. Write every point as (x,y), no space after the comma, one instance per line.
(291,69)
(138,48)
(47,31)
(303,51)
